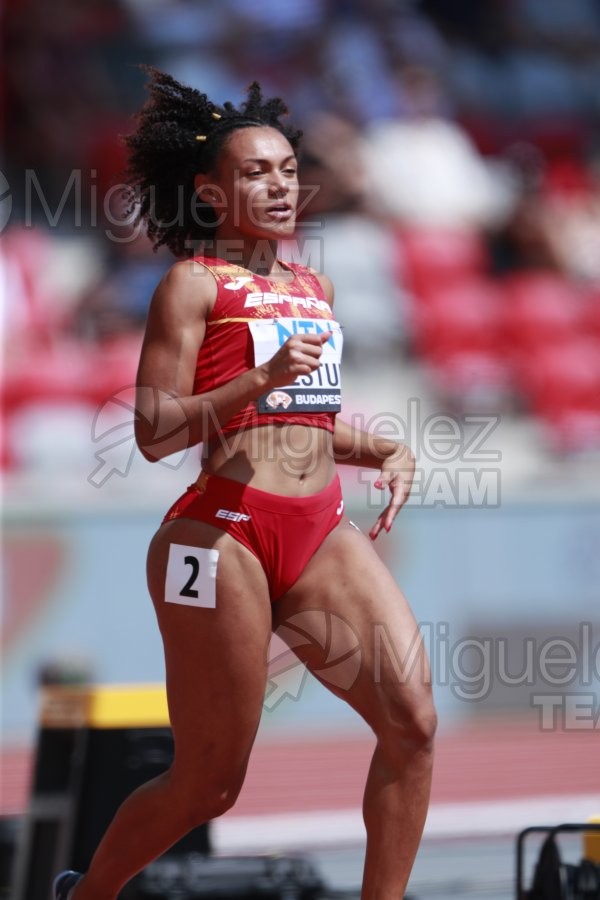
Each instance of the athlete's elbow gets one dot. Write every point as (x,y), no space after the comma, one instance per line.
(147,444)
(148,455)
(155,447)
(149,452)
(155,452)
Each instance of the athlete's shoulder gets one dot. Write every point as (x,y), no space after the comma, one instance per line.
(326,285)
(218,267)
(187,288)
(324,281)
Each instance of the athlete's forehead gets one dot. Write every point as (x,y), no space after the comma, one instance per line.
(260,143)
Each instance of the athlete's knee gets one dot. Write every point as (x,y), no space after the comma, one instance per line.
(208,797)
(422,724)
(218,800)
(407,721)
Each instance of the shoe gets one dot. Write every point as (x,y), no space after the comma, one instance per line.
(64,883)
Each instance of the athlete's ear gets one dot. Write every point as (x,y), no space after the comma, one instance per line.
(206,190)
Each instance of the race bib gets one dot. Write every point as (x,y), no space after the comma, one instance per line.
(191,576)
(318,392)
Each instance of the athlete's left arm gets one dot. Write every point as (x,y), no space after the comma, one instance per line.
(396,463)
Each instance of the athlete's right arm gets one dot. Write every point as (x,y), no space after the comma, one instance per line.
(169,418)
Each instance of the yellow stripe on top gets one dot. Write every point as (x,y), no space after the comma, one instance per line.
(252,319)
(232,319)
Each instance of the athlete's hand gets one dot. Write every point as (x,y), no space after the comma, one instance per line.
(397,473)
(300,355)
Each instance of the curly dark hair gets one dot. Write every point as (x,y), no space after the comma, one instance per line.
(180,133)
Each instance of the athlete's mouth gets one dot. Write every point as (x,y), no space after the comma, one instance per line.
(280,210)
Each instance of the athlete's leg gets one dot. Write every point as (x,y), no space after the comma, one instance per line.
(391,689)
(216,662)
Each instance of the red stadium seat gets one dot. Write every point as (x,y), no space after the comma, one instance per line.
(464,316)
(561,384)
(473,381)
(432,258)
(6,456)
(58,373)
(591,316)
(541,309)
(114,366)
(47,393)
(69,376)
(557,138)
(563,377)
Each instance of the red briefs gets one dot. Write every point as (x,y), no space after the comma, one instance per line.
(282,532)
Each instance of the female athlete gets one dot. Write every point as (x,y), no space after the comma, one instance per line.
(241,354)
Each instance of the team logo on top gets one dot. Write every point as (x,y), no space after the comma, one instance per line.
(269,298)
(238,283)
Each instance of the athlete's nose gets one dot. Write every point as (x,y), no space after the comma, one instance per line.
(278,186)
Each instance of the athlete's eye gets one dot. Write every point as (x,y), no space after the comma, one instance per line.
(290,170)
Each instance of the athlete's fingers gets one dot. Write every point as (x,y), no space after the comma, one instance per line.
(400,489)
(311,351)
(303,367)
(376,528)
(321,338)
(381,483)
(306,349)
(384,521)
(299,355)
(311,343)
(303,359)
(398,500)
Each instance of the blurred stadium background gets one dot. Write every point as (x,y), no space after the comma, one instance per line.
(456,148)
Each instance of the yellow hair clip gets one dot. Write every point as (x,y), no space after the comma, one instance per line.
(216,116)
(200,137)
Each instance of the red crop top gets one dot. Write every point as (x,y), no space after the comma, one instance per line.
(252,317)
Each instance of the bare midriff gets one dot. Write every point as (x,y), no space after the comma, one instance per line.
(292,460)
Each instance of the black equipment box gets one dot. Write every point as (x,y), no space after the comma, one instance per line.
(553,878)
(95,746)
(197,877)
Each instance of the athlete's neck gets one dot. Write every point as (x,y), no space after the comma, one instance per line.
(258,256)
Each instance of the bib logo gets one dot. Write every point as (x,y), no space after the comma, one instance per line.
(239,282)
(278,399)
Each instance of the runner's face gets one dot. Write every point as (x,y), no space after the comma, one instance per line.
(257,183)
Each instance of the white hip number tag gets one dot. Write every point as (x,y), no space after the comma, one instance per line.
(191,576)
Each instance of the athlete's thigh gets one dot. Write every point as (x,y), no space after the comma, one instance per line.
(215,655)
(361,639)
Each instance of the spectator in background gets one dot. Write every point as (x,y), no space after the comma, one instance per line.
(59,86)
(424,169)
(346,237)
(572,196)
(523,241)
(555,223)
(118,302)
